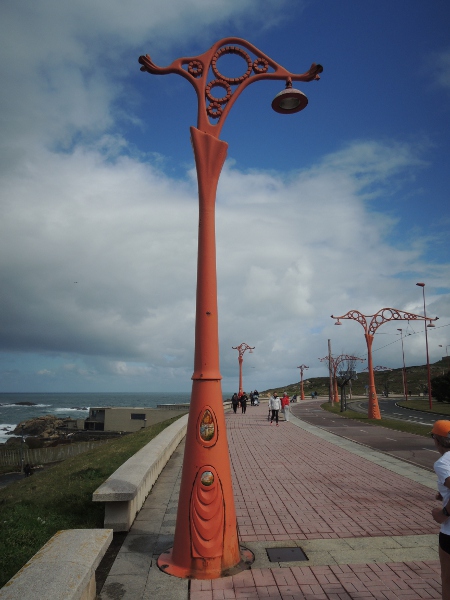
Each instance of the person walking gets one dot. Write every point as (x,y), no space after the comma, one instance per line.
(441,435)
(274,406)
(243,400)
(285,406)
(235,402)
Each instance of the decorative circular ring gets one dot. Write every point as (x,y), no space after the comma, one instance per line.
(231,50)
(214,110)
(217,83)
(260,65)
(195,68)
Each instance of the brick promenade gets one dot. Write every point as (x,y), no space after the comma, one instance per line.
(361,517)
(366,530)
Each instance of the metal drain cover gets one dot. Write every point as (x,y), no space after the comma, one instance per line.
(285,554)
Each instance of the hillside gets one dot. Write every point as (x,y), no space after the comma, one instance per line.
(391,380)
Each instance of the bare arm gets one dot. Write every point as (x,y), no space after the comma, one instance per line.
(439,514)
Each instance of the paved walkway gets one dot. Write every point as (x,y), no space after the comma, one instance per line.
(361,517)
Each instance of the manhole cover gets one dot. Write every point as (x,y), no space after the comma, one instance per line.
(285,554)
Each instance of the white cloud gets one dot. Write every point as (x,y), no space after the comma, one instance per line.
(61,69)
(98,245)
(99,261)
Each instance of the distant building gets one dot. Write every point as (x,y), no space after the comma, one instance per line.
(112,418)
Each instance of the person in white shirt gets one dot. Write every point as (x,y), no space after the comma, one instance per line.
(441,435)
(274,406)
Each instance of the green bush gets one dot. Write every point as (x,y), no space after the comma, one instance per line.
(440,387)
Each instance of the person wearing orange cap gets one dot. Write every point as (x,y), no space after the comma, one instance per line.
(441,435)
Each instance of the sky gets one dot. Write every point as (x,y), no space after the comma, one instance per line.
(342,206)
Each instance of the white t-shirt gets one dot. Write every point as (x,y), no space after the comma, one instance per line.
(442,470)
(275,404)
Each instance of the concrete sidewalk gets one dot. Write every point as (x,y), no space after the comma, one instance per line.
(361,517)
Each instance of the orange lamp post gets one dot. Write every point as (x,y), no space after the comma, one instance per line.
(430,402)
(206,544)
(241,349)
(382,316)
(302,368)
(405,381)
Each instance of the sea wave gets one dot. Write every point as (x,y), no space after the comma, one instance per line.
(75,409)
(15,405)
(6,428)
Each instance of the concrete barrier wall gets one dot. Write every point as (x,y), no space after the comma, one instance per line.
(125,491)
(63,569)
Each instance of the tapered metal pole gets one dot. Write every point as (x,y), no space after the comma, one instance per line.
(430,402)
(206,538)
(330,370)
(405,386)
(374,409)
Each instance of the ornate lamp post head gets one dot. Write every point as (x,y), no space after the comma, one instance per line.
(212,109)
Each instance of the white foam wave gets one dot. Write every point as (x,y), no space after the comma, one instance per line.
(56,410)
(14,405)
(4,429)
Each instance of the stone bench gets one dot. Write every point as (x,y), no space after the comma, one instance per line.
(125,491)
(63,569)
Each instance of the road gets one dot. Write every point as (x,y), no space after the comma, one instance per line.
(412,448)
(389,410)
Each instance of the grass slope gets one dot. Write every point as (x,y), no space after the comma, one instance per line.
(34,509)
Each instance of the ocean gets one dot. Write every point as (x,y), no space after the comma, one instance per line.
(12,412)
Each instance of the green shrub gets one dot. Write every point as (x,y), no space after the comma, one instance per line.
(440,387)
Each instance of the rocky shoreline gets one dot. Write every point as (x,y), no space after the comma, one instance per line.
(48,430)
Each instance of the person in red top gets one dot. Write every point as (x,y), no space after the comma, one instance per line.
(285,406)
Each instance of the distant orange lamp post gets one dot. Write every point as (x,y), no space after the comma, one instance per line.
(405,382)
(382,316)
(241,349)
(206,539)
(430,402)
(302,368)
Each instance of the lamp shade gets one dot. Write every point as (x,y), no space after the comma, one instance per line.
(289,101)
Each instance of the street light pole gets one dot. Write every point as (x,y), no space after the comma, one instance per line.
(302,393)
(430,402)
(382,316)
(405,384)
(241,349)
(330,374)
(206,538)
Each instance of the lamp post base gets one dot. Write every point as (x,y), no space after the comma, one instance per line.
(202,568)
